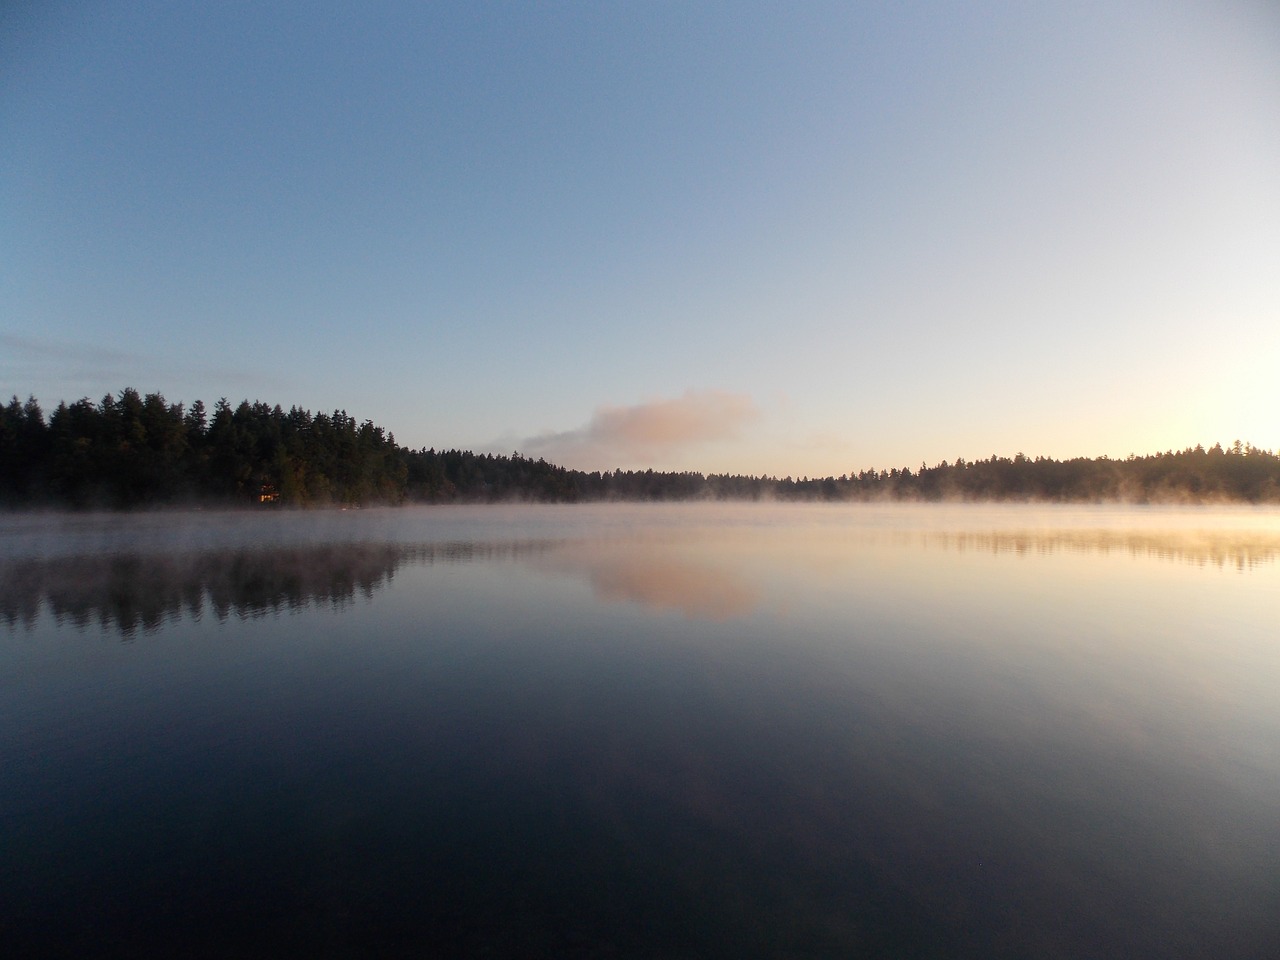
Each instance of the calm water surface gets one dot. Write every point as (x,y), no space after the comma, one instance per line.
(664,731)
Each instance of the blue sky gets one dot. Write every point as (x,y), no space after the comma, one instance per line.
(710,236)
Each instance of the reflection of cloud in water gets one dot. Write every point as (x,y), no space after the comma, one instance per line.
(660,576)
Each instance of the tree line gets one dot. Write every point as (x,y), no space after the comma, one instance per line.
(132,451)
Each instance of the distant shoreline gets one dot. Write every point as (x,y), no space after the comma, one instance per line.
(245,507)
(135,452)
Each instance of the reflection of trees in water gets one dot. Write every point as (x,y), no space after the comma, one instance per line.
(138,591)
(1239,549)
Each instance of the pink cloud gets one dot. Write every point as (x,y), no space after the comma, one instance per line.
(656,428)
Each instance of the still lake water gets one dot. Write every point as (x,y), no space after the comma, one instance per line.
(642,731)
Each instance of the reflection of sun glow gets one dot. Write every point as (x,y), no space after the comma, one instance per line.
(718,572)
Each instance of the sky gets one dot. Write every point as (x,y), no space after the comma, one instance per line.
(765,238)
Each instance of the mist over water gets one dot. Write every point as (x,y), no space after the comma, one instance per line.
(679,730)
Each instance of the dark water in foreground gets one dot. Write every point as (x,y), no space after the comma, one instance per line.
(683,731)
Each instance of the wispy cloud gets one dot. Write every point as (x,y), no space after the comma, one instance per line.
(38,347)
(71,370)
(648,431)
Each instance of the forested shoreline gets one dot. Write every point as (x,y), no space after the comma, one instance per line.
(135,451)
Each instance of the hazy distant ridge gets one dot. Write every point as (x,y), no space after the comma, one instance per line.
(138,450)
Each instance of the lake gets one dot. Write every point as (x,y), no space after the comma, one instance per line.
(669,731)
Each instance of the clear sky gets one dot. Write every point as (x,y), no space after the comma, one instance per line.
(767,238)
